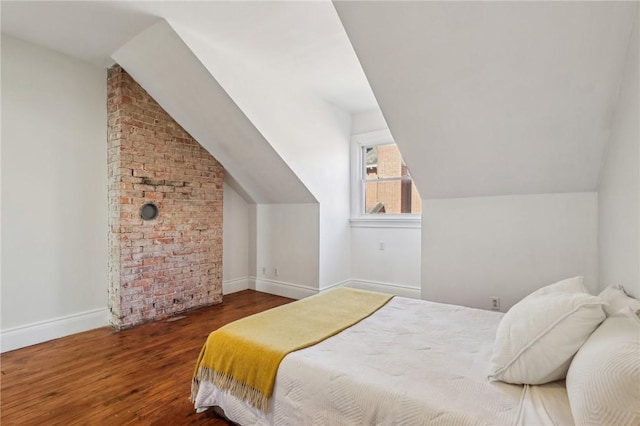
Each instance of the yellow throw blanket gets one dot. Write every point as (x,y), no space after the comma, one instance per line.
(243,357)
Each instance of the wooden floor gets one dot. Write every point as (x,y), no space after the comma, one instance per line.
(140,376)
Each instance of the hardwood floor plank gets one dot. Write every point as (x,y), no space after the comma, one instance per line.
(140,376)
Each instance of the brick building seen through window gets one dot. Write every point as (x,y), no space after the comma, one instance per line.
(388,187)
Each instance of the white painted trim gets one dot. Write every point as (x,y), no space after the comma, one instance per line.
(377,137)
(396,289)
(234,285)
(42,331)
(298,291)
(281,288)
(338,284)
(391,221)
(286,289)
(359,219)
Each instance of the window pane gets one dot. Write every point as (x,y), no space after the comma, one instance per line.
(392,197)
(384,161)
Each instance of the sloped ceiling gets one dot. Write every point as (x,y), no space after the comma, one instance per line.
(495,98)
(297,39)
(303,42)
(162,63)
(483,98)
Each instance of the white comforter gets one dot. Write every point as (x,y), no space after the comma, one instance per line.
(412,362)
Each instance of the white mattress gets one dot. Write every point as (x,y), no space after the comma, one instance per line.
(412,362)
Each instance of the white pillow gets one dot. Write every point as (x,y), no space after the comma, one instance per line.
(603,382)
(539,335)
(570,285)
(617,299)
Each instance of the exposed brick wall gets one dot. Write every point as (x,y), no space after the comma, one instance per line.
(172,263)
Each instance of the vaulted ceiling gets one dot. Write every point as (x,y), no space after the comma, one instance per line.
(302,40)
(495,98)
(160,61)
(483,98)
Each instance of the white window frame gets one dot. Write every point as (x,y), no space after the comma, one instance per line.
(359,219)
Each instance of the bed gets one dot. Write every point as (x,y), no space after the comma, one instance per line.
(410,362)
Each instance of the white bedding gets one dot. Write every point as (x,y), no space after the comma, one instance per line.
(412,362)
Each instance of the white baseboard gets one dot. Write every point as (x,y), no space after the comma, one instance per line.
(338,284)
(281,288)
(395,289)
(31,334)
(297,291)
(235,285)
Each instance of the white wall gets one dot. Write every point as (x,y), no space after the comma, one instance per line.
(287,239)
(235,235)
(368,121)
(54,195)
(395,268)
(309,133)
(619,190)
(507,246)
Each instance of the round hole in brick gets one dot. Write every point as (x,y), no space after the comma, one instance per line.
(149,211)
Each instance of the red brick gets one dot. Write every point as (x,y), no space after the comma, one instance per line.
(151,158)
(153,195)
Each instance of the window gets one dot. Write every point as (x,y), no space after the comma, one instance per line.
(382,192)
(386,185)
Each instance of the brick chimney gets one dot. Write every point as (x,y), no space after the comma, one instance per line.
(170,263)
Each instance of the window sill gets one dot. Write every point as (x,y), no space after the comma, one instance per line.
(389,221)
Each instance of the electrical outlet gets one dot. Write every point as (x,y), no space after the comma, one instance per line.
(264,270)
(381,245)
(495,303)
(275,272)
